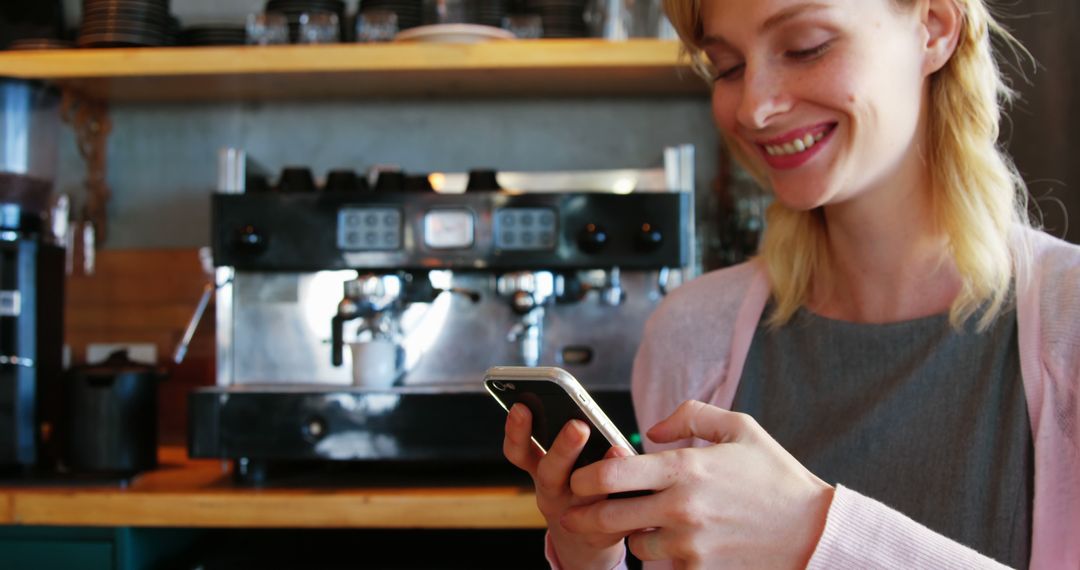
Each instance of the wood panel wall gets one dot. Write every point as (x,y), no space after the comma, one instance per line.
(1043,133)
(146,296)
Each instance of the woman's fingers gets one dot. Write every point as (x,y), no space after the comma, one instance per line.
(553,472)
(615,516)
(700,420)
(517,443)
(654,471)
(617,452)
(650,545)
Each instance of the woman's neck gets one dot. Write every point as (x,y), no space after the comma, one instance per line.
(887,260)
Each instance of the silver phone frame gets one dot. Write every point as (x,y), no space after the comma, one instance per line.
(570,385)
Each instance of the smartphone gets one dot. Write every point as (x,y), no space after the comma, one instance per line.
(555,397)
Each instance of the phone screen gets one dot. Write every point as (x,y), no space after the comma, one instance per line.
(551,408)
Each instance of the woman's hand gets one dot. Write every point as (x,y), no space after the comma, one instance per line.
(743,502)
(551,476)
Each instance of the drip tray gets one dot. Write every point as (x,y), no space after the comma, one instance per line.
(411,426)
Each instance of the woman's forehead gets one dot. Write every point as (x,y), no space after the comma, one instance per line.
(763,13)
(724,19)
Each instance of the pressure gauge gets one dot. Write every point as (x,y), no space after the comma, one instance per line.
(449,228)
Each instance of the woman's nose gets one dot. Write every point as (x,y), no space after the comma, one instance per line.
(763,98)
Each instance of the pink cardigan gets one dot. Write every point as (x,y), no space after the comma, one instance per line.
(696,344)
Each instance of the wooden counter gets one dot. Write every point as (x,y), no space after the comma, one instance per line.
(200,493)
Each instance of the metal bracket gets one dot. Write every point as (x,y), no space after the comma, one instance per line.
(90,120)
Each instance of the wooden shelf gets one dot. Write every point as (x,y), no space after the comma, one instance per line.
(198,493)
(498,69)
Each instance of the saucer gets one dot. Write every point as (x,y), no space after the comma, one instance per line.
(454,33)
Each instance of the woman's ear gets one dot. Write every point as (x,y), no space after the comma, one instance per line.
(943,21)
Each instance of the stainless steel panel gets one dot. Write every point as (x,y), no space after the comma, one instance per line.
(281,332)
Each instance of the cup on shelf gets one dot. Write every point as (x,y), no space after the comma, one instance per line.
(267,28)
(611,19)
(319,28)
(524,26)
(376,25)
(447,11)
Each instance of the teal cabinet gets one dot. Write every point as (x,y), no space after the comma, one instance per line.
(56,548)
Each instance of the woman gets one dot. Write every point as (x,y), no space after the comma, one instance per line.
(904,348)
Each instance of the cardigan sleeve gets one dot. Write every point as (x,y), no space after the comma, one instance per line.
(863,534)
(553,557)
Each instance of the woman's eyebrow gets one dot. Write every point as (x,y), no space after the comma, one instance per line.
(771,22)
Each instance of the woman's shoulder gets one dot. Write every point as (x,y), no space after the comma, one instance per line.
(687,341)
(710,299)
(1051,302)
(1048,246)
(1054,270)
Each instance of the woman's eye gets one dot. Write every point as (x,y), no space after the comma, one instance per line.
(729,73)
(807,54)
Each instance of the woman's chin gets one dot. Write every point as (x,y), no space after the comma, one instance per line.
(800,201)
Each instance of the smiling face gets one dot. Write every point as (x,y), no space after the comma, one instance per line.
(823,98)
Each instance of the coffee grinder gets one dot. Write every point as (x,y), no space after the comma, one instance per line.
(31,272)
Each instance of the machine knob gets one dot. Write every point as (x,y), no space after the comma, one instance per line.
(390,181)
(296,179)
(417,183)
(482,180)
(592,239)
(649,238)
(250,240)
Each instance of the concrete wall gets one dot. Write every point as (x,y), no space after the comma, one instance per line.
(162,158)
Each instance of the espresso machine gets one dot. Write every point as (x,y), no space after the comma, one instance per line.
(355,322)
(32,260)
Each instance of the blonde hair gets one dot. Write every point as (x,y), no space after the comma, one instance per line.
(979,199)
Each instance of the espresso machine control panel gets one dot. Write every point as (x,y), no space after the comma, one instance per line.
(481,230)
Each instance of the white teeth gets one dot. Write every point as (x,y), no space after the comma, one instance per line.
(796,146)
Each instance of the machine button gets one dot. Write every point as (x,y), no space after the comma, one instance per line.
(592,239)
(313,429)
(649,238)
(369,229)
(249,240)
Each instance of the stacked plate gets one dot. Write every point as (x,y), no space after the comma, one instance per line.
(561,18)
(213,36)
(107,23)
(294,8)
(40,43)
(409,12)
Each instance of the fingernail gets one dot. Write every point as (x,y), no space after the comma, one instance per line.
(622,452)
(516,413)
(581,431)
